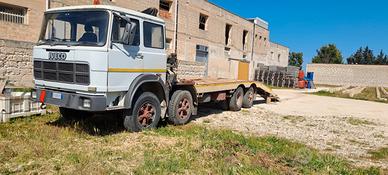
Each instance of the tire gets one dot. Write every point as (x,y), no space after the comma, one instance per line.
(249,97)
(145,113)
(235,103)
(180,108)
(72,114)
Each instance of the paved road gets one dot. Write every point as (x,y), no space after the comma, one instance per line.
(297,102)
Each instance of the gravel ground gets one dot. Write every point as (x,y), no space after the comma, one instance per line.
(346,136)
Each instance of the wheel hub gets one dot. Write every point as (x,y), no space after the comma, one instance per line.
(250,97)
(183,108)
(146,114)
(239,99)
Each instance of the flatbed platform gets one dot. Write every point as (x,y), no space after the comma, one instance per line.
(209,85)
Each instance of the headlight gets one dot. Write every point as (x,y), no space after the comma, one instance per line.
(87,103)
(33,94)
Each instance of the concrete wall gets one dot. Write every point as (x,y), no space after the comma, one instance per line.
(277,55)
(353,75)
(16,62)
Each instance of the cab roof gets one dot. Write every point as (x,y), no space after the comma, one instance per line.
(107,7)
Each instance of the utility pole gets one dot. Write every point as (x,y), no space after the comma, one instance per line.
(47,4)
(176,26)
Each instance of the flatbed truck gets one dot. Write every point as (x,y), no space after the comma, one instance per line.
(93,59)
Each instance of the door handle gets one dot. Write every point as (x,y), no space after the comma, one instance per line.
(140,56)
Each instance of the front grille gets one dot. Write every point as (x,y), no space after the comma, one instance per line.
(75,73)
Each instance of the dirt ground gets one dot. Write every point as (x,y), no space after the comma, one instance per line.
(346,127)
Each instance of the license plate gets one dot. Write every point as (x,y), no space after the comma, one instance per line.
(57,95)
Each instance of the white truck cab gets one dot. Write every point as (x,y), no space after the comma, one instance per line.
(95,53)
(103,58)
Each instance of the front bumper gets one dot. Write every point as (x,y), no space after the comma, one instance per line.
(71,100)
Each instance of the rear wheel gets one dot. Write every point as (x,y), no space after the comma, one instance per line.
(236,102)
(145,114)
(180,108)
(249,97)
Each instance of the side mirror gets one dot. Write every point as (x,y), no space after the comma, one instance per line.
(129,33)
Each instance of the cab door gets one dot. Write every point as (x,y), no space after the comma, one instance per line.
(155,58)
(125,61)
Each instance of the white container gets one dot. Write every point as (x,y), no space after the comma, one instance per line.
(18,104)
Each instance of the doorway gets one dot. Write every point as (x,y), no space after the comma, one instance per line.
(243,71)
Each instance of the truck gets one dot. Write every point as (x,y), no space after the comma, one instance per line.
(99,59)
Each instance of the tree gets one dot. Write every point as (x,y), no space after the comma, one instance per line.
(369,58)
(296,59)
(328,54)
(386,59)
(380,59)
(366,56)
(356,57)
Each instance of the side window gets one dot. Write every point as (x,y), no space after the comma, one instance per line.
(119,27)
(153,35)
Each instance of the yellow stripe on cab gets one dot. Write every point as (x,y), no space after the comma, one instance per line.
(124,70)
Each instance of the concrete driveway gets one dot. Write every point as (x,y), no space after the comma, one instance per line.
(298,102)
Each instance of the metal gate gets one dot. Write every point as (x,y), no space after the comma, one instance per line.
(202,55)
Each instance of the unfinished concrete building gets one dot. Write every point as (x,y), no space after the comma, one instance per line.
(225,44)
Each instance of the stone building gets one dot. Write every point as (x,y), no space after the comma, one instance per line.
(228,45)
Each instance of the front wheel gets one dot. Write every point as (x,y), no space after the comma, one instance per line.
(145,114)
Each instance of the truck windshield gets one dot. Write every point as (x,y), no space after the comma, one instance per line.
(75,28)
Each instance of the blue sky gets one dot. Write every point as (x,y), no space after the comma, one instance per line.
(306,25)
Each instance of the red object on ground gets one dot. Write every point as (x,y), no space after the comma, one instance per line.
(302,84)
(42,96)
(301,75)
(96,2)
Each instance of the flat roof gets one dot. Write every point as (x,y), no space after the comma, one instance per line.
(263,23)
(108,7)
(279,44)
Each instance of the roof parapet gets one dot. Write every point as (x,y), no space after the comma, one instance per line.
(260,22)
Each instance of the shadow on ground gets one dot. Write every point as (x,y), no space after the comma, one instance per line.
(109,124)
(97,125)
(207,109)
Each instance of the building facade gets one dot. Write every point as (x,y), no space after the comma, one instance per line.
(197,31)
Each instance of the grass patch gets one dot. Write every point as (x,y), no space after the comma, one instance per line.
(48,145)
(245,112)
(294,119)
(368,94)
(380,154)
(327,85)
(358,122)
(331,94)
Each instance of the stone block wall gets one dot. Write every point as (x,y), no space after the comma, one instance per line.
(352,75)
(16,62)
(190,69)
(30,30)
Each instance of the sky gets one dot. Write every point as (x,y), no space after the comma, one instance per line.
(306,25)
